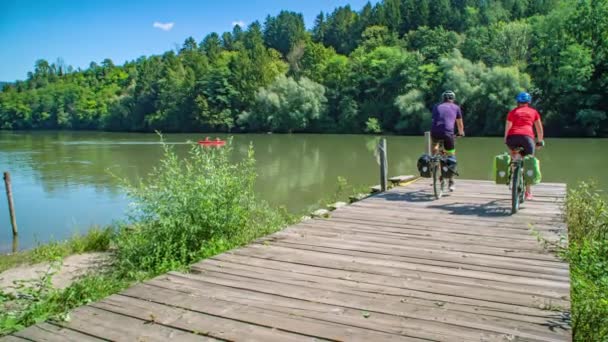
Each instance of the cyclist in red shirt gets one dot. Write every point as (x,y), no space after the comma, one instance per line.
(519,130)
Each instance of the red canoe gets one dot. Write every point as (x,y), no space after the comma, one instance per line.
(209,142)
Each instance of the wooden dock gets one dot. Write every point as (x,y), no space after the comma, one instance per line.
(397,266)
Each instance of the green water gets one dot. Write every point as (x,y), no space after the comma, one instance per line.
(63,183)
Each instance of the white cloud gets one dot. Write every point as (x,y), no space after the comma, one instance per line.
(163,26)
(239,22)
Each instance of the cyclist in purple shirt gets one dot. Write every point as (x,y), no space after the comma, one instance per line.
(446,116)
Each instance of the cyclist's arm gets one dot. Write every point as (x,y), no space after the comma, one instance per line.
(460,124)
(540,134)
(508,126)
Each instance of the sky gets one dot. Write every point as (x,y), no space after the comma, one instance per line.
(82,31)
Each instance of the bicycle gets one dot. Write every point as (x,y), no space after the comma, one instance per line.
(518,182)
(437,160)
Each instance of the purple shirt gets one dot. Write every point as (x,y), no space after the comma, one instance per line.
(444,118)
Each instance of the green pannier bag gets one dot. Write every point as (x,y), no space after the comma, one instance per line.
(532,174)
(502,168)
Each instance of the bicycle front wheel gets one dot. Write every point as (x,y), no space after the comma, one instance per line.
(516,190)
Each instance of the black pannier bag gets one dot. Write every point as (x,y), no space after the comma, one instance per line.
(448,167)
(424,166)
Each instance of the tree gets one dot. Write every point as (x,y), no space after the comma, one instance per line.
(189,45)
(284,31)
(415,115)
(318,31)
(211,46)
(339,30)
(432,43)
(287,105)
(383,74)
(485,94)
(376,36)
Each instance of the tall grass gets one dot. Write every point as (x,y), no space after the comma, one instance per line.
(185,210)
(189,206)
(587,218)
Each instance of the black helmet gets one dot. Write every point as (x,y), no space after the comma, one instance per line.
(448,95)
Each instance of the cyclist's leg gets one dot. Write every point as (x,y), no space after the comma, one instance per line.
(449,144)
(529,149)
(513,143)
(436,139)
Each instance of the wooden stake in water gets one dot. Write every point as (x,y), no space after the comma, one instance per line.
(11,207)
(383,165)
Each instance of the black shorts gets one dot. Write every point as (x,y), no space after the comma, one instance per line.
(447,138)
(524,141)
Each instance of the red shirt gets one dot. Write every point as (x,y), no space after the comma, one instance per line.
(523,118)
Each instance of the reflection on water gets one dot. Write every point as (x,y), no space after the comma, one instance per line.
(67,181)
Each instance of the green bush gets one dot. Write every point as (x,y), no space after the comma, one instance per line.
(191,207)
(587,218)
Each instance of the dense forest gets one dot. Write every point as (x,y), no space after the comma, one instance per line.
(378,69)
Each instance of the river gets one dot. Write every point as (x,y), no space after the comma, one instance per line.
(65,182)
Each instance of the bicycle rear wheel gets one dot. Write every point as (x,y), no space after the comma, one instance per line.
(516,190)
(437,183)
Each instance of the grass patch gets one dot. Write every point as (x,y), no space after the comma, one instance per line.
(587,252)
(95,240)
(187,209)
(39,301)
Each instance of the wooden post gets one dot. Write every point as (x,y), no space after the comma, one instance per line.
(383,165)
(427,142)
(15,244)
(11,207)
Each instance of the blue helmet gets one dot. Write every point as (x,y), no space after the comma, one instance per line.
(523,97)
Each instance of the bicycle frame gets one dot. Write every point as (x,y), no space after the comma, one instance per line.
(517,183)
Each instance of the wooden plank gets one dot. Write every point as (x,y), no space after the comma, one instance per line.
(492,210)
(530,244)
(400,226)
(453,226)
(402,179)
(424,227)
(204,324)
(404,232)
(367,265)
(380,215)
(110,326)
(49,332)
(375,321)
(511,252)
(524,314)
(378,251)
(171,290)
(491,298)
(461,321)
(505,282)
(500,215)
